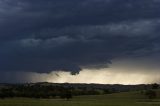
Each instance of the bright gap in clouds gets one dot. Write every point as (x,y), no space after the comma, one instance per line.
(103,76)
(127,71)
(123,71)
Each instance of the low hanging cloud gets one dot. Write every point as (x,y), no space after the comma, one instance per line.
(44,36)
(123,71)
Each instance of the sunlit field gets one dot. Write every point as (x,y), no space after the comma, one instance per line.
(118,99)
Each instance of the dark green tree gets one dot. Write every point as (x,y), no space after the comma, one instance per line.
(155,86)
(151,94)
(66,95)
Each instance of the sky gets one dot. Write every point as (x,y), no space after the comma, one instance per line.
(80,41)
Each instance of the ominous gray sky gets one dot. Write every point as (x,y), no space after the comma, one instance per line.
(46,36)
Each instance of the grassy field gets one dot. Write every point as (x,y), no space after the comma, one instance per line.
(119,99)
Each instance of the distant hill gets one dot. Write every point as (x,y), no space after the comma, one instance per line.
(116,87)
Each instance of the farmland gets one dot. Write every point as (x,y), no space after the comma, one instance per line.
(116,99)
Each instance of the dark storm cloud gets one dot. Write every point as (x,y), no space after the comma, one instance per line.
(30,16)
(47,35)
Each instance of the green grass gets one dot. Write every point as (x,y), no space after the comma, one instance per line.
(119,99)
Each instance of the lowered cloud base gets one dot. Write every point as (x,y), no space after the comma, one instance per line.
(120,72)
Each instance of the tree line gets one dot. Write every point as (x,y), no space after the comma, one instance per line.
(67,91)
(49,91)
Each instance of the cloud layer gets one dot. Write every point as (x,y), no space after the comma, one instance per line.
(45,35)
